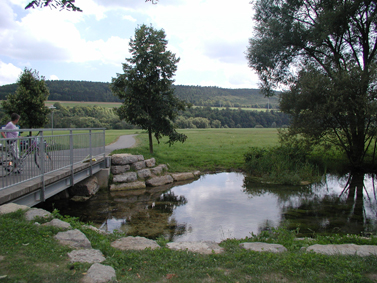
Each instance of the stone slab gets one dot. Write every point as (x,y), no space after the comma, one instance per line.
(144,173)
(159,181)
(203,247)
(134,243)
(119,169)
(182,176)
(99,273)
(74,238)
(138,165)
(124,159)
(86,255)
(159,169)
(263,247)
(150,162)
(32,213)
(12,207)
(344,249)
(58,223)
(125,177)
(128,186)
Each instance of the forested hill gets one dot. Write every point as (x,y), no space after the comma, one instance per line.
(197,95)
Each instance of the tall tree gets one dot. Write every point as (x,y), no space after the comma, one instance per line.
(62,5)
(29,100)
(146,86)
(324,51)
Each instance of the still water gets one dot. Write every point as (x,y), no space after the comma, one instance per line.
(229,205)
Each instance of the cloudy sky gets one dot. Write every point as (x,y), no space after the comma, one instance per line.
(209,36)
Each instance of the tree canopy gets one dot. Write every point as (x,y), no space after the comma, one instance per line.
(62,5)
(324,51)
(146,86)
(29,100)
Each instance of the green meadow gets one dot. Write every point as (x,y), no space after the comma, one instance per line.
(84,103)
(204,149)
(117,104)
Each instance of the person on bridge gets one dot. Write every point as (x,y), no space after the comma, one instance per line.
(12,136)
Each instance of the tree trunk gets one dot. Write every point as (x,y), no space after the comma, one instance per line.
(150,140)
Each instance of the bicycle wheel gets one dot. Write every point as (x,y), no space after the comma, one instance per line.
(7,164)
(47,161)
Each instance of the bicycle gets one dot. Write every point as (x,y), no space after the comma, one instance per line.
(10,163)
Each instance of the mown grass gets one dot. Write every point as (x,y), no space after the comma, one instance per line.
(31,254)
(205,149)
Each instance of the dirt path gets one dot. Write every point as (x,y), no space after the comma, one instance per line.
(125,141)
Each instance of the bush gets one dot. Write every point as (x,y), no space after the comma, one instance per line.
(283,165)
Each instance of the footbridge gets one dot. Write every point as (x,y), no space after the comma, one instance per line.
(49,161)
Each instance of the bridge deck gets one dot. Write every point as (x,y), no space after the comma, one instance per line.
(37,190)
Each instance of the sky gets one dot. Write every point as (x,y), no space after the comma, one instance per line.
(209,36)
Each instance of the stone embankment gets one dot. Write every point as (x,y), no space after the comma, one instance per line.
(134,172)
(130,173)
(82,250)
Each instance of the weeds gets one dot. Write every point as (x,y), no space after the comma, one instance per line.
(282,165)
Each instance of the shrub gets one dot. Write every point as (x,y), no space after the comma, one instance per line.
(283,165)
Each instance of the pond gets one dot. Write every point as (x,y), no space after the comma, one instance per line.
(229,205)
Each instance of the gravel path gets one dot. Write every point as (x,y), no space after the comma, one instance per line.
(125,141)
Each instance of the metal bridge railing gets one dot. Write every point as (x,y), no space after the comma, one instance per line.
(35,156)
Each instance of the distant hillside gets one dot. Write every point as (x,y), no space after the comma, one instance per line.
(197,95)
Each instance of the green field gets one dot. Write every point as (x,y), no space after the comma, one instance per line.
(117,104)
(204,149)
(84,103)
(236,108)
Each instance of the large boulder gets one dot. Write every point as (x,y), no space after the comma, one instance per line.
(144,173)
(159,181)
(99,273)
(158,170)
(119,169)
(125,177)
(183,176)
(12,207)
(58,223)
(150,162)
(138,165)
(86,188)
(32,213)
(125,158)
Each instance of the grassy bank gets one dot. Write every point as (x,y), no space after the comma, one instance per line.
(206,149)
(30,253)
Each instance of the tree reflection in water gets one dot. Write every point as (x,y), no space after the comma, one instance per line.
(321,209)
(153,221)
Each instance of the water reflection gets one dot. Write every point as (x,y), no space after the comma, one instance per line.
(229,205)
(337,205)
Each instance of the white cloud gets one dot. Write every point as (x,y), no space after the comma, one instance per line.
(9,73)
(129,18)
(209,37)
(54,78)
